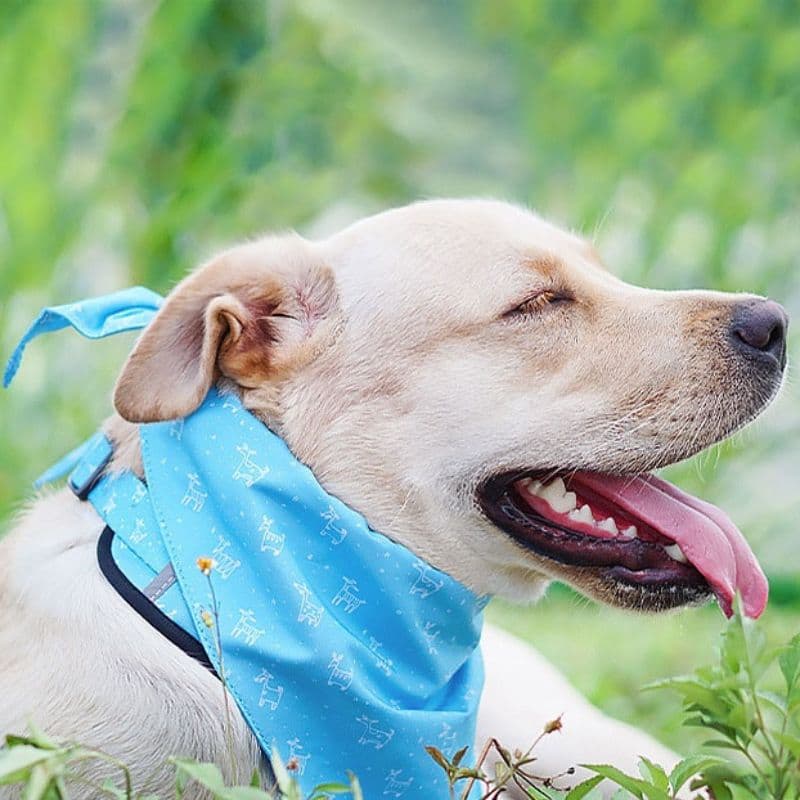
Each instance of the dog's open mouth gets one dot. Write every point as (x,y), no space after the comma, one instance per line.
(636,532)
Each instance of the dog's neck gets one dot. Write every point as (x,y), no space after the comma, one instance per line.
(124,436)
(357,470)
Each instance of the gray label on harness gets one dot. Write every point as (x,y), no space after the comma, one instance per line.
(163,581)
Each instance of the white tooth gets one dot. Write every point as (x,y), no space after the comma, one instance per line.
(675,553)
(583,514)
(608,525)
(534,488)
(553,492)
(563,504)
(630,532)
(555,488)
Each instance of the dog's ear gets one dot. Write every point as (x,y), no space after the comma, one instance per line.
(253,315)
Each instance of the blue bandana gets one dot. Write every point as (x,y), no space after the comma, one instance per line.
(342,649)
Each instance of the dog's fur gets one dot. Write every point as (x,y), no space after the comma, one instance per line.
(393,360)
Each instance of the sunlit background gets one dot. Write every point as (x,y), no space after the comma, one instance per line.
(136,137)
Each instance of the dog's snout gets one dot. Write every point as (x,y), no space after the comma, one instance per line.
(759,328)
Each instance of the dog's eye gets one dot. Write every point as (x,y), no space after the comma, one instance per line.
(538,302)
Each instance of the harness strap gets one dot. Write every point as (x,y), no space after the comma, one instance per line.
(142,603)
(130,553)
(324,621)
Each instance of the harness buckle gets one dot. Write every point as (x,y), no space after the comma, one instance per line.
(82,485)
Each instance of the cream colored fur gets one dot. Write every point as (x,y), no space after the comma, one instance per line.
(388,358)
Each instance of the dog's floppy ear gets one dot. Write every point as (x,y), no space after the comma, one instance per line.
(252,316)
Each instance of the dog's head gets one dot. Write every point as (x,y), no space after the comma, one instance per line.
(473,381)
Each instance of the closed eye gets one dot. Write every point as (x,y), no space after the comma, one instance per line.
(539,302)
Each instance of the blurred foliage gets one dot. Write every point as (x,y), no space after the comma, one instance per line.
(610,655)
(140,135)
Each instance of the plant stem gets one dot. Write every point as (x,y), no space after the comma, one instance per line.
(223,680)
(478,765)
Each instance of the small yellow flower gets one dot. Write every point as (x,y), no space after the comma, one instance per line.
(208,618)
(205,564)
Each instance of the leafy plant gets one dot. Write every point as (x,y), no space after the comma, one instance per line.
(758,723)
(514,768)
(46,768)
(748,702)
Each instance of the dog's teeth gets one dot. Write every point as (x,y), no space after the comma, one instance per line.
(676,554)
(630,532)
(608,525)
(555,488)
(533,487)
(563,504)
(583,514)
(553,491)
(570,501)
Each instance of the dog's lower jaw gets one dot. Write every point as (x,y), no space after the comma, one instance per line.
(522,585)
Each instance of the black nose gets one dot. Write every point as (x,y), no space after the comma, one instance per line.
(759,328)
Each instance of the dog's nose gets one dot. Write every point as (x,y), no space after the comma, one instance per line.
(759,328)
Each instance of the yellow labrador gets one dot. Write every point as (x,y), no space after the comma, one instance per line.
(470,378)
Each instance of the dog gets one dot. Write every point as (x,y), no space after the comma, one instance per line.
(472,380)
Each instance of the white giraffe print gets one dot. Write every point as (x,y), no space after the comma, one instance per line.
(338,677)
(195,496)
(395,786)
(246,629)
(373,735)
(348,596)
(271,692)
(248,471)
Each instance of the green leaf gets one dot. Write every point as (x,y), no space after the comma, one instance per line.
(111,788)
(39,784)
(436,754)
(687,768)
(720,788)
(722,744)
(777,701)
(332,788)
(696,692)
(16,762)
(457,758)
(582,789)
(654,773)
(207,775)
(40,738)
(243,793)
(279,770)
(502,773)
(35,739)
(789,662)
(355,786)
(638,788)
(14,740)
(790,742)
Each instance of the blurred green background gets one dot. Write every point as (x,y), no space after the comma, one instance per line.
(138,136)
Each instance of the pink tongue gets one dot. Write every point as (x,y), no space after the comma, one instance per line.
(706,535)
